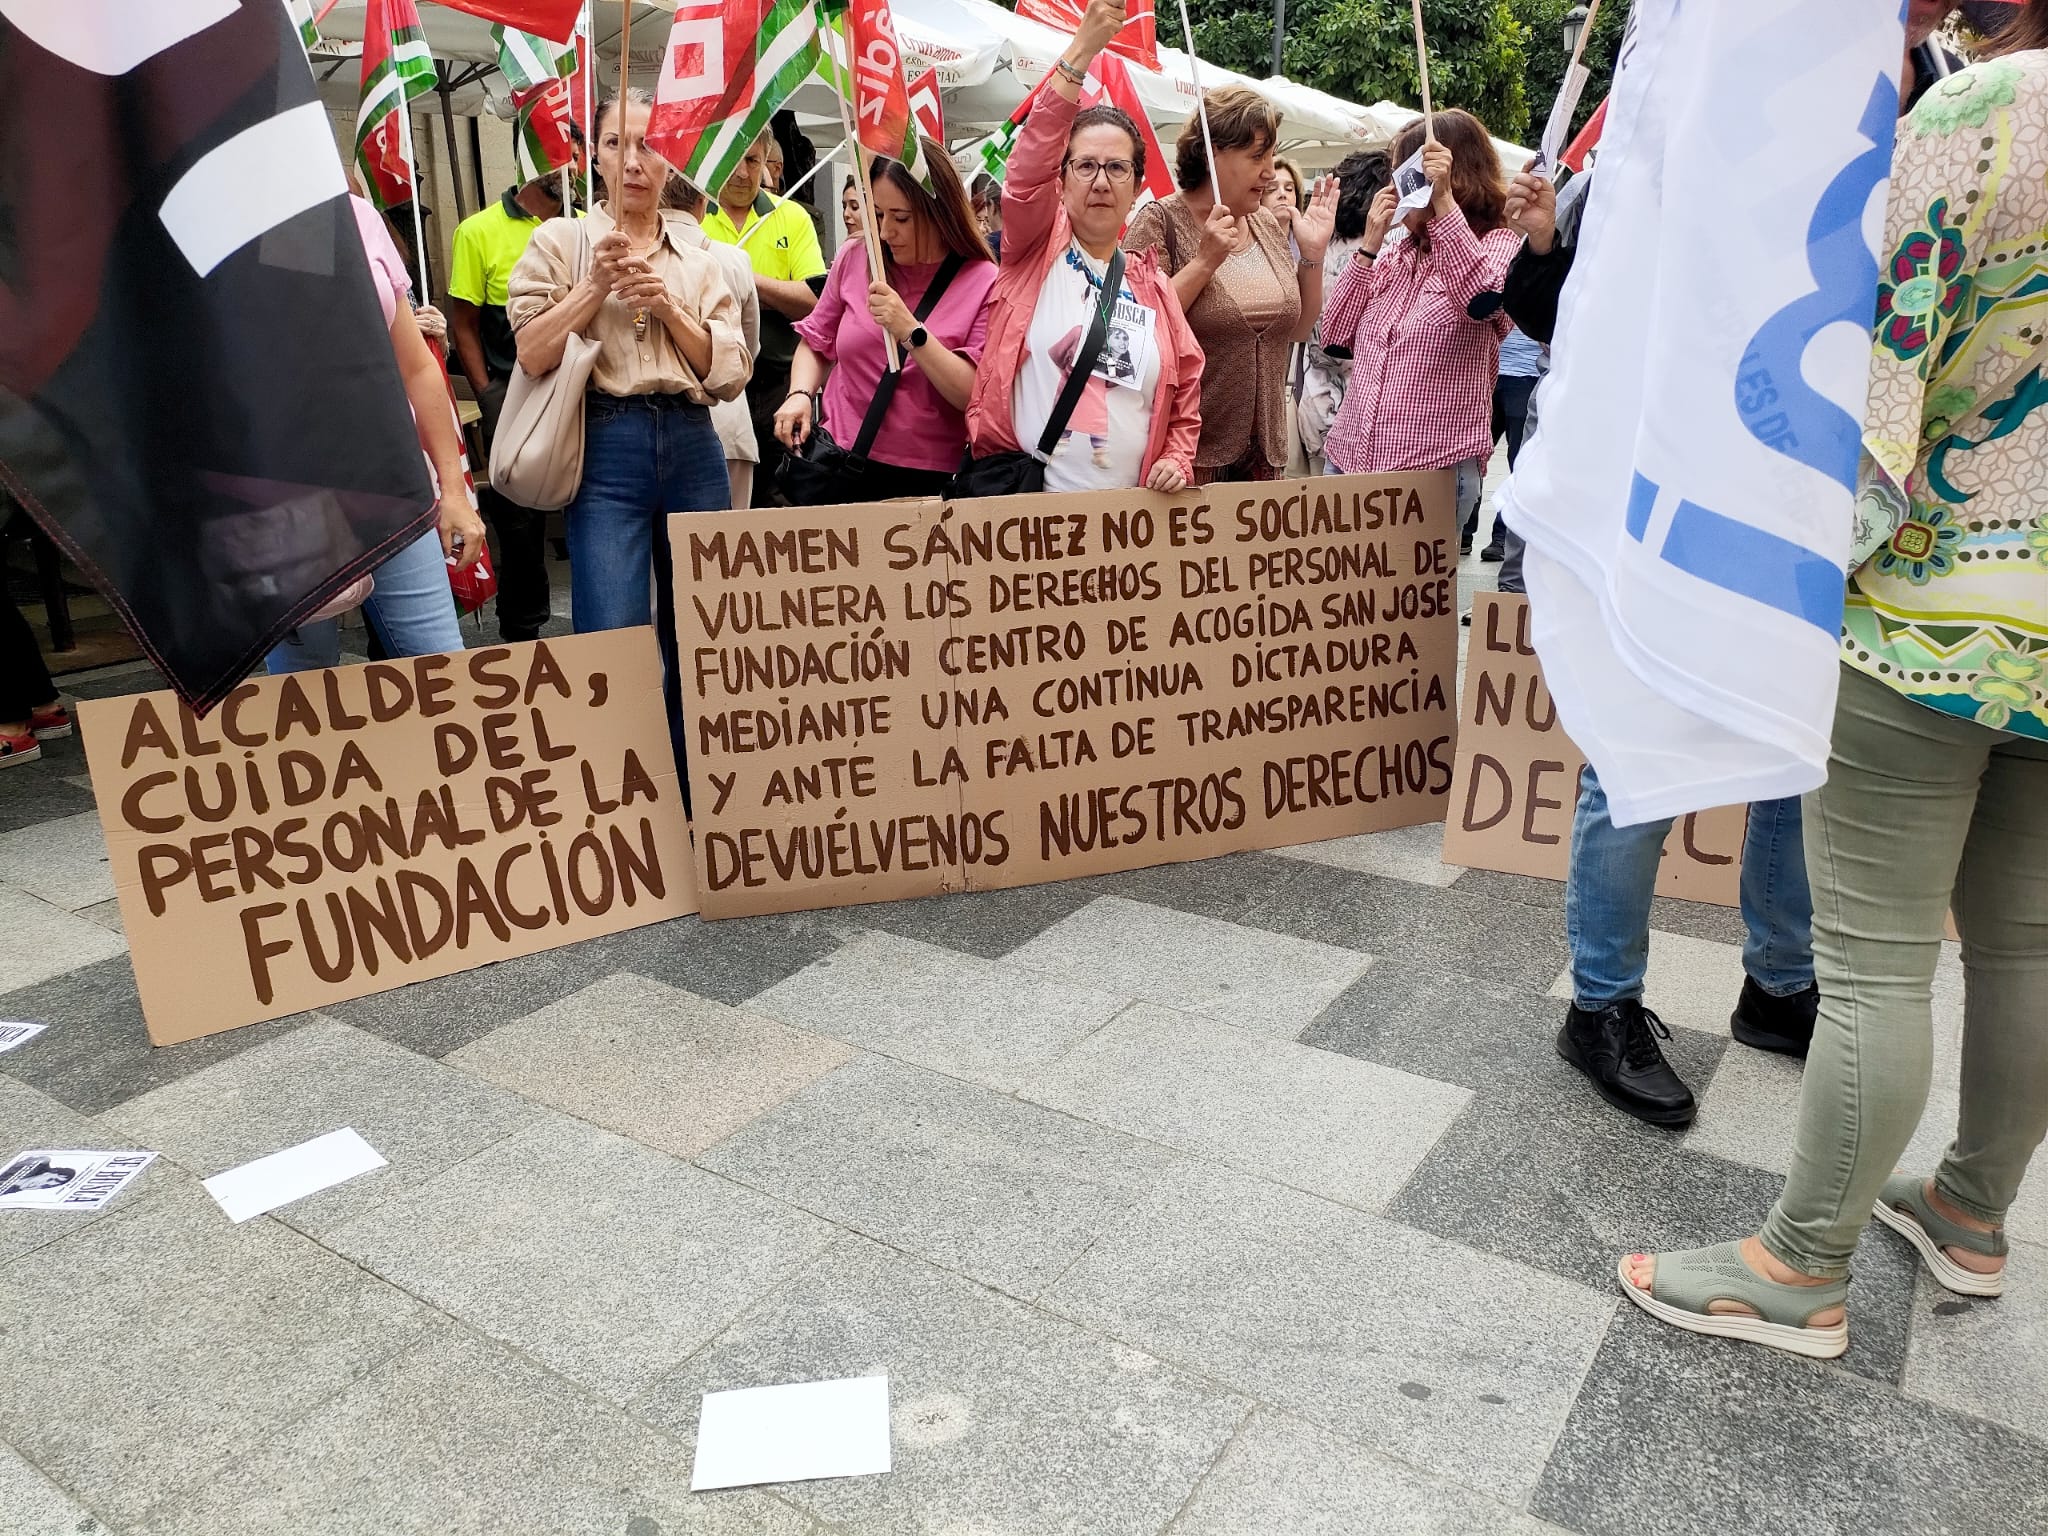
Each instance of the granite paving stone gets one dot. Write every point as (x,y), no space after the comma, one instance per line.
(1281,1475)
(985,923)
(1452,1028)
(64,861)
(1414,854)
(107,914)
(30,1121)
(39,941)
(445,1013)
(147,1351)
(1691,983)
(1451,930)
(1347,1320)
(96,1052)
(32,1505)
(1347,1130)
(971,1179)
(1986,1357)
(953,1013)
(420,1116)
(461,1435)
(1004,1420)
(1267,982)
(1224,888)
(729,960)
(602,1259)
(33,798)
(671,1070)
(1702,1437)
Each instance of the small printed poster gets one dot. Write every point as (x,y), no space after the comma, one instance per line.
(67,1181)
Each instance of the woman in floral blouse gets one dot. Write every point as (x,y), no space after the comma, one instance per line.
(1937,791)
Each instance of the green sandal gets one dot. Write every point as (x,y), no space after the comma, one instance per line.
(1686,1284)
(1903,1206)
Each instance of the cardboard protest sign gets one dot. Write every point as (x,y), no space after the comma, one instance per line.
(894,700)
(1517,781)
(330,834)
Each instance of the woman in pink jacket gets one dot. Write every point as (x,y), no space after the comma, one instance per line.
(1072,181)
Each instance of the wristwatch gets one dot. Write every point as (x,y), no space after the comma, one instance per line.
(918,338)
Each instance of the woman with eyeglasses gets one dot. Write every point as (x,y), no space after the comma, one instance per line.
(1072,181)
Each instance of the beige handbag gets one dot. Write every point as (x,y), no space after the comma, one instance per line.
(537,454)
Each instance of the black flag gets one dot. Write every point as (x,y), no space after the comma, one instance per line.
(198,398)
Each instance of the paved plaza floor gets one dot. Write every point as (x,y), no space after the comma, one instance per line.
(1243,1196)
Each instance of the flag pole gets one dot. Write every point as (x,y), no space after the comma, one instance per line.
(1422,64)
(1586,33)
(586,66)
(804,180)
(412,160)
(870,235)
(1187,31)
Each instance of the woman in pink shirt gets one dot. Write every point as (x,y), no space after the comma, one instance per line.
(928,240)
(1421,394)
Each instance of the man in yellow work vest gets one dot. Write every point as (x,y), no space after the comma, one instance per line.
(789,274)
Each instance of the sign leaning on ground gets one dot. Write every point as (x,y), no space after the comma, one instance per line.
(894,700)
(1518,774)
(330,834)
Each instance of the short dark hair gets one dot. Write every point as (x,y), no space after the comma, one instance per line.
(1106,116)
(1360,175)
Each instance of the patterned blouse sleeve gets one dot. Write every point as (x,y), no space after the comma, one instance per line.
(1929,355)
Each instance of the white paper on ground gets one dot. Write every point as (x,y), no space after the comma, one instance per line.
(292,1174)
(793,1433)
(61,1180)
(13,1033)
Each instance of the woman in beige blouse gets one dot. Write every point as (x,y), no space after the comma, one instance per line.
(669,345)
(1249,292)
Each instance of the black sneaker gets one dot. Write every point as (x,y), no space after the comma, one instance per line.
(1781,1024)
(1464,543)
(1493,554)
(1617,1048)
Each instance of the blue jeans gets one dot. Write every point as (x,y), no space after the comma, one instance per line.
(411,609)
(1614,875)
(644,456)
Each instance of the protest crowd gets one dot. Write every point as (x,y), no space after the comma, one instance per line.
(1098,311)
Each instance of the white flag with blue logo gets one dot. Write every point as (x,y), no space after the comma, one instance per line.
(1687,496)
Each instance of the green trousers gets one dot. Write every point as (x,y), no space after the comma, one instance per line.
(1921,811)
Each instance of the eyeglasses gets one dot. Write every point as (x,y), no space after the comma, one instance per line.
(1118,171)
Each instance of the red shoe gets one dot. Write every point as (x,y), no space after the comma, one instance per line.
(19,749)
(52,722)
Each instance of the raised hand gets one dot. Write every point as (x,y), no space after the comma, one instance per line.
(1436,165)
(1314,224)
(1099,23)
(1379,218)
(1532,208)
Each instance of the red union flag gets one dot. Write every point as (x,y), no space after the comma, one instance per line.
(726,69)
(1136,39)
(554,20)
(926,107)
(881,99)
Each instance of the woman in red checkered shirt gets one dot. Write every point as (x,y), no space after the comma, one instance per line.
(1421,394)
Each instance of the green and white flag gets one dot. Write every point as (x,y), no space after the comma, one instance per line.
(397,66)
(527,61)
(301,13)
(730,66)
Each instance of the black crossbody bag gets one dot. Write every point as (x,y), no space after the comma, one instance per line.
(1019,473)
(822,473)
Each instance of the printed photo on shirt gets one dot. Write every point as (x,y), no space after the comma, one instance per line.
(1127,346)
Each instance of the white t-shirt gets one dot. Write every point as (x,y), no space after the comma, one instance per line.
(1104,444)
